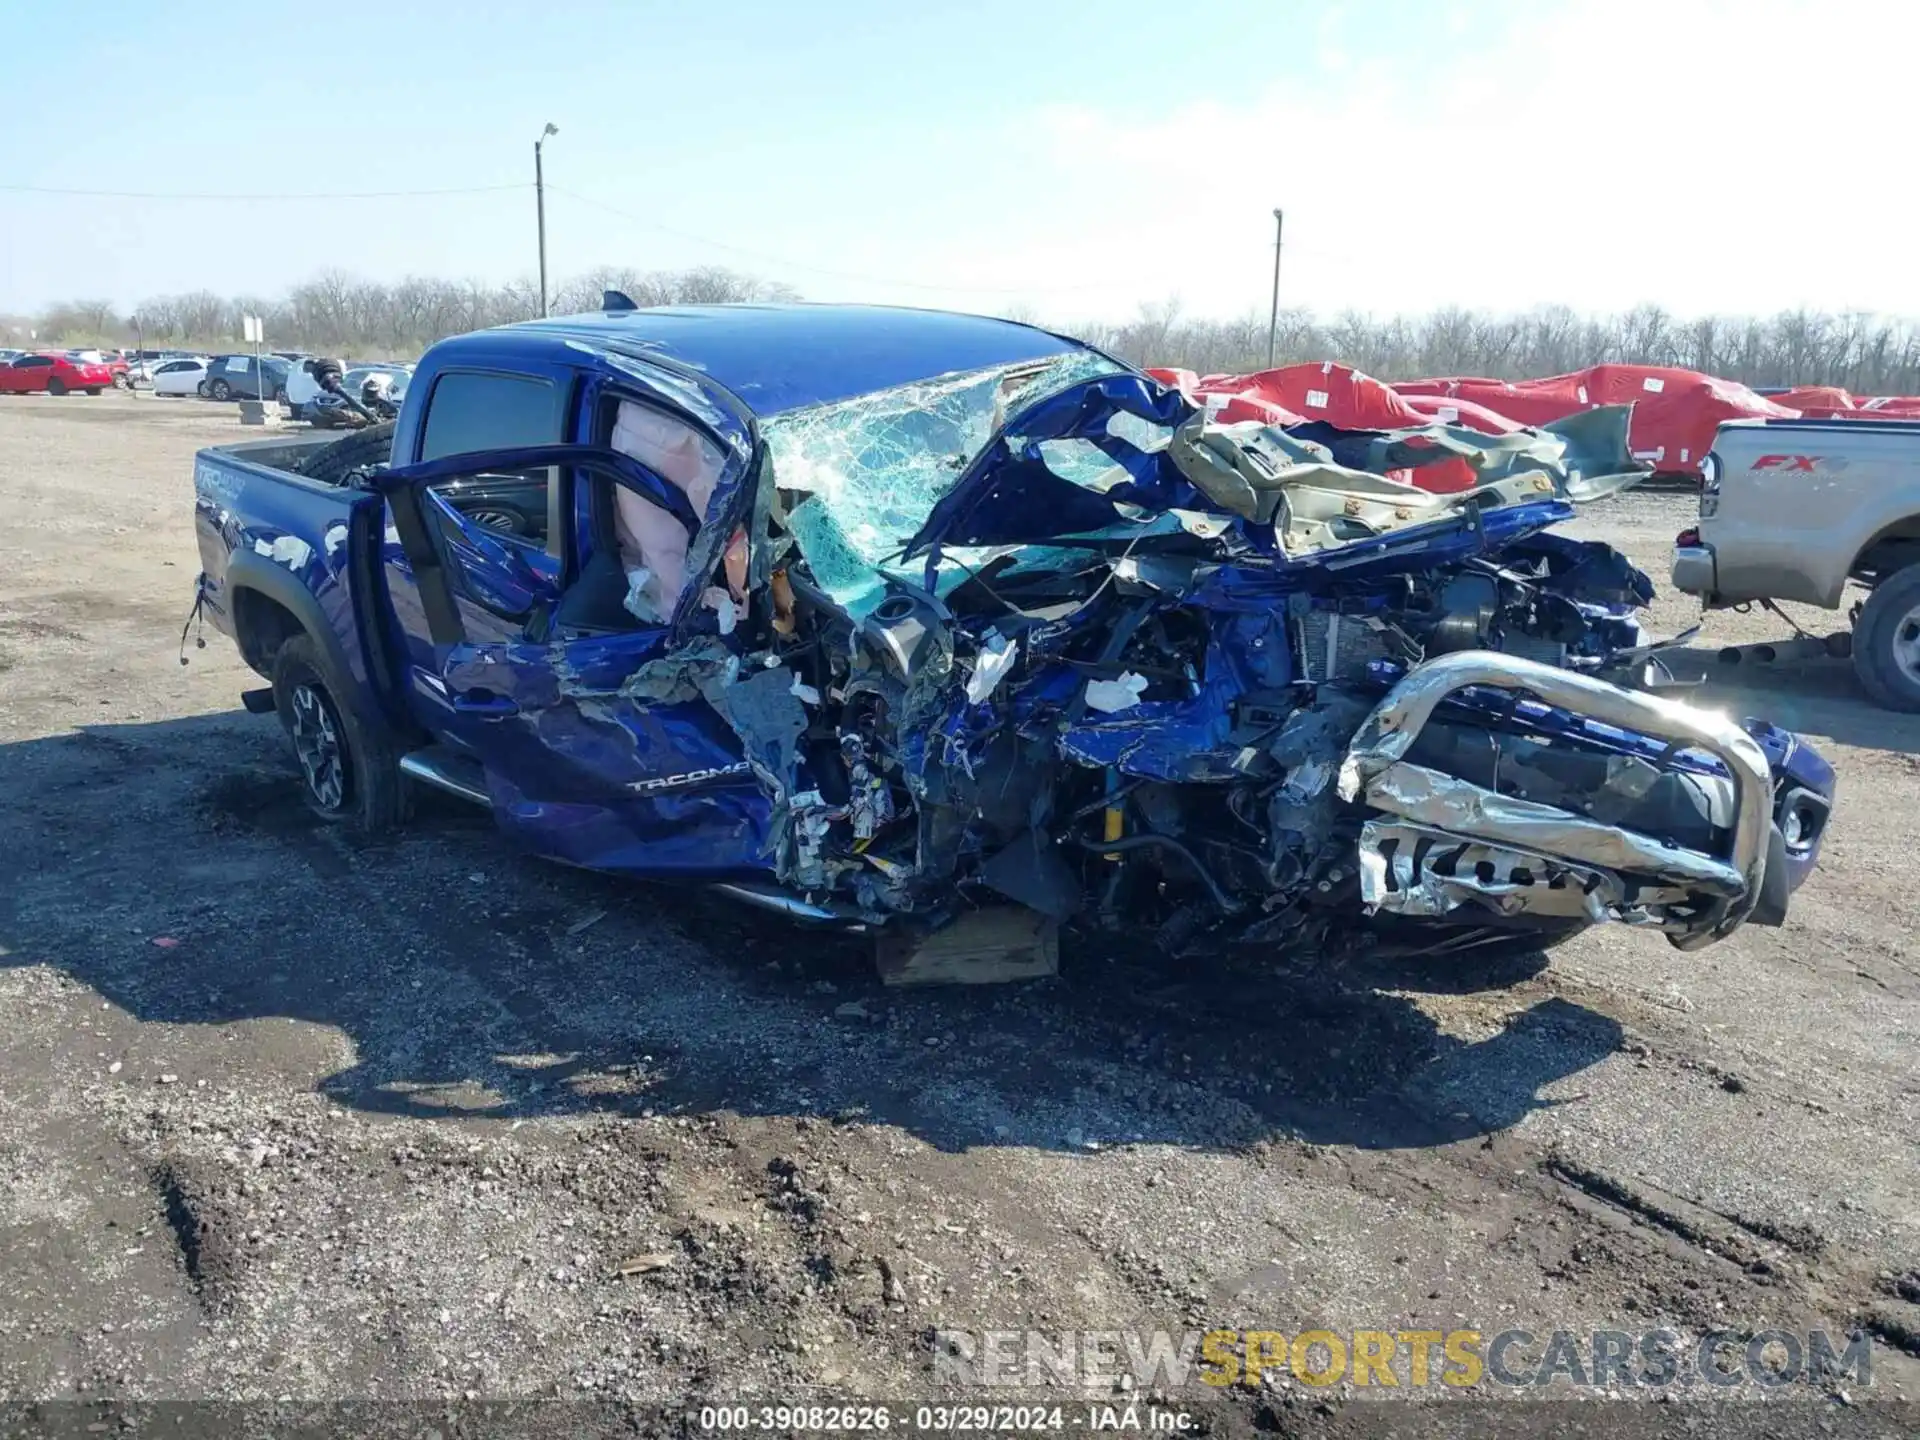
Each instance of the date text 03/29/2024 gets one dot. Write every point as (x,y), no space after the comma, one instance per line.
(945,1419)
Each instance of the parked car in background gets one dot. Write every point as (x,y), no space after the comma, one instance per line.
(234,377)
(114,360)
(55,374)
(180,377)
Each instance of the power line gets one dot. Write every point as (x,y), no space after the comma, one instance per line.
(785,263)
(234,195)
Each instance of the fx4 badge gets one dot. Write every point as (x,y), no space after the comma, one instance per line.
(1829,464)
(691,777)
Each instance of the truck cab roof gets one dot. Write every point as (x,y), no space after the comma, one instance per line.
(776,358)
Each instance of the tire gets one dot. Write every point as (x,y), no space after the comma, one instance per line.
(349,773)
(56,386)
(220,390)
(498,517)
(201,390)
(122,382)
(1886,642)
(362,450)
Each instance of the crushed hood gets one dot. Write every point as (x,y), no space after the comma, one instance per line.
(1121,457)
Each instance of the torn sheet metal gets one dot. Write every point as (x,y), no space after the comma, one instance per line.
(1416,793)
(1675,412)
(691,671)
(1422,871)
(1245,468)
(767,714)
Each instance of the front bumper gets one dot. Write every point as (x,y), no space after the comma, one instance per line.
(1446,843)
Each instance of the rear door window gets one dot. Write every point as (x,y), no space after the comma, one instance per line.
(472,411)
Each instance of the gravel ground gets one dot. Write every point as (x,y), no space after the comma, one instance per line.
(283,1115)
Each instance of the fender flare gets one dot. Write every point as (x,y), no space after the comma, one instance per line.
(247,571)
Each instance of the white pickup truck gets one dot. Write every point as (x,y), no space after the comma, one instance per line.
(1793,510)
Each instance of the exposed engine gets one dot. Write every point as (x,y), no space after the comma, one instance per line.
(1089,744)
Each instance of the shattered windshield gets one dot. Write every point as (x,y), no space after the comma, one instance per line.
(873,467)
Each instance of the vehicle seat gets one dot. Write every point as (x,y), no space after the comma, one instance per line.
(596,602)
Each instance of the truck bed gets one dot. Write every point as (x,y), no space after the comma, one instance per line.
(278,543)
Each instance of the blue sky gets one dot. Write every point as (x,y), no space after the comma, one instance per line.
(1066,159)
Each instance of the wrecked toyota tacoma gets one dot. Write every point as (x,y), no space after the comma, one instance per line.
(889,617)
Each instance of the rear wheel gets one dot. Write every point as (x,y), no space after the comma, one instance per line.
(56,386)
(508,522)
(362,450)
(220,390)
(1886,642)
(349,774)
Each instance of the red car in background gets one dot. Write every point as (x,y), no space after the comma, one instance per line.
(114,360)
(55,374)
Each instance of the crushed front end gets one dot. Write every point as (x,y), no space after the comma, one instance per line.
(1125,667)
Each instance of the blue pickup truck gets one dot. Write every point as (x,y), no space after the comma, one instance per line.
(884,616)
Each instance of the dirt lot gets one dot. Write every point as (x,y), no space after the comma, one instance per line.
(286,1116)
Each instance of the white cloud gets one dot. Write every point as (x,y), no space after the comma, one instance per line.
(1601,153)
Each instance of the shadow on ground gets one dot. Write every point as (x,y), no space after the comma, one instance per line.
(1814,696)
(474,983)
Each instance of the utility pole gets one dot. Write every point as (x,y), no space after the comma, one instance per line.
(1273,315)
(540,207)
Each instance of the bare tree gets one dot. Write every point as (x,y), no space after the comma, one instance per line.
(338,312)
(79,320)
(1868,354)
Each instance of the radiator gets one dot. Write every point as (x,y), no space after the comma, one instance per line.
(1339,647)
